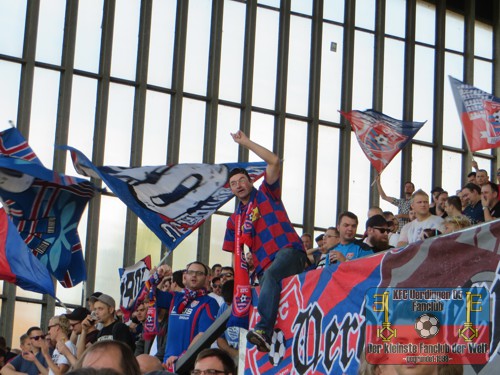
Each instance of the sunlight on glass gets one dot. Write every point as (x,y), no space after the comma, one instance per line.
(218,229)
(331,73)
(147,244)
(393,78)
(454,26)
(359,183)
(12,21)
(228,119)
(425,21)
(363,71)
(50,31)
(334,10)
(10,75)
(156,124)
(365,14)
(395,18)
(451,120)
(27,315)
(88,35)
(483,40)
(186,252)
(423,98)
(421,161)
(301,6)
(451,181)
(262,132)
(192,131)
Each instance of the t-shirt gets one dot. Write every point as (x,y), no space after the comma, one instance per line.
(404,207)
(474,213)
(231,334)
(119,332)
(495,211)
(266,227)
(353,250)
(412,232)
(25,366)
(59,359)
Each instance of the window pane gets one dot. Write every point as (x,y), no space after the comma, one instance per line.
(423,98)
(126,30)
(216,238)
(391,183)
(294,158)
(12,21)
(421,158)
(483,72)
(454,31)
(50,31)
(334,10)
(10,75)
(226,150)
(156,124)
(326,178)
(395,16)
(483,40)
(43,114)
(301,6)
(26,315)
(197,46)
(266,51)
(298,66)
(425,30)
(162,43)
(365,14)
(233,38)
(27,294)
(359,183)
(186,252)
(71,295)
(119,125)
(452,126)
(88,35)
(393,78)
(331,73)
(262,132)
(273,3)
(450,177)
(192,131)
(147,244)
(363,71)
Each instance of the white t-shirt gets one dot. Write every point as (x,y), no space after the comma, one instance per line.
(59,359)
(412,231)
(218,298)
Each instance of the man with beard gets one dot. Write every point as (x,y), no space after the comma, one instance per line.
(377,233)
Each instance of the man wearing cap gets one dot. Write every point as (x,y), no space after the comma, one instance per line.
(267,231)
(112,329)
(81,336)
(377,233)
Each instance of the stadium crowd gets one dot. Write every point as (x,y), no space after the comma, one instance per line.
(180,306)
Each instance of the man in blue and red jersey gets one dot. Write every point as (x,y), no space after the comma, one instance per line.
(192,311)
(266,229)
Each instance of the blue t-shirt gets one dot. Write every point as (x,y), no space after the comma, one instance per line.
(25,366)
(183,327)
(231,334)
(474,213)
(353,250)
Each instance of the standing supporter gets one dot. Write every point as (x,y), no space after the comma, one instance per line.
(216,270)
(267,231)
(31,360)
(192,311)
(216,293)
(59,331)
(254,280)
(453,206)
(471,196)
(482,177)
(402,204)
(348,248)
(434,197)
(177,281)
(489,201)
(440,203)
(471,178)
(412,231)
(138,318)
(393,225)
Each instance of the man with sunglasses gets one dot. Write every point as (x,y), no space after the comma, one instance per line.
(266,229)
(377,233)
(31,360)
(216,293)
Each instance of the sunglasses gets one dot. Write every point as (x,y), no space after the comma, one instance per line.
(36,338)
(218,286)
(382,230)
(226,275)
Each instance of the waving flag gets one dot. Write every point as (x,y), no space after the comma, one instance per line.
(45,206)
(172,200)
(132,281)
(381,137)
(480,115)
(18,265)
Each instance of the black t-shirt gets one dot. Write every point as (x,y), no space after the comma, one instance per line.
(495,211)
(119,332)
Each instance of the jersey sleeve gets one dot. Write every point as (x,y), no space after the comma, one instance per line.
(229,237)
(207,317)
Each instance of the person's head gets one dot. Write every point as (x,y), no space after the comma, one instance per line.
(453,205)
(91,300)
(409,188)
(481,177)
(76,317)
(392,222)
(216,285)
(148,363)
(471,194)
(319,240)
(216,269)
(347,226)
(453,223)
(177,281)
(58,327)
(228,291)
(489,193)
(214,359)
(471,178)
(306,240)
(104,308)
(197,273)
(249,259)
(112,354)
(141,312)
(240,184)
(435,193)
(420,204)
(25,343)
(331,238)
(441,200)
(377,232)
(375,210)
(226,274)
(36,337)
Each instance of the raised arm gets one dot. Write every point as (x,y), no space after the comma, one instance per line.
(272,160)
(381,191)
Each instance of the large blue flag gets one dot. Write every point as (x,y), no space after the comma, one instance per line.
(17,264)
(45,206)
(172,200)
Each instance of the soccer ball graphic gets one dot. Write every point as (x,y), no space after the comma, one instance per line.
(278,347)
(427,326)
(381,140)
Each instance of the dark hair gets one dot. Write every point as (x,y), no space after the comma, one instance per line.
(441,193)
(429,232)
(207,270)
(3,342)
(221,355)
(307,235)
(215,279)
(236,171)
(227,268)
(177,278)
(23,338)
(483,170)
(348,214)
(228,291)
(437,189)
(472,187)
(31,329)
(215,266)
(455,201)
(128,363)
(471,174)
(411,183)
(334,229)
(494,187)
